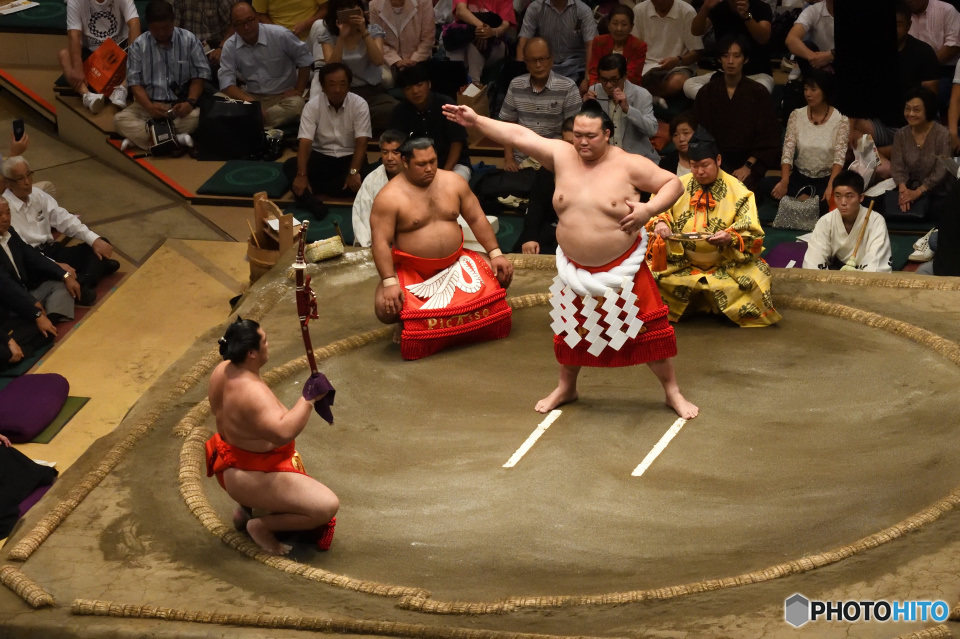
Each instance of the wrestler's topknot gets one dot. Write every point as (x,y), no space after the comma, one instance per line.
(241,337)
(593,110)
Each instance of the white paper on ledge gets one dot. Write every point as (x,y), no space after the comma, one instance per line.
(19,5)
(274,223)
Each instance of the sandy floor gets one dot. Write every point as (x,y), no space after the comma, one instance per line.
(814,434)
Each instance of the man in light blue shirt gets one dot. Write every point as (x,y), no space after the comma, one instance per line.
(166,69)
(271,63)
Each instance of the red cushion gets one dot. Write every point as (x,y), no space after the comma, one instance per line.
(29,403)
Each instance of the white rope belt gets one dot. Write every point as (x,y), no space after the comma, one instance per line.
(572,283)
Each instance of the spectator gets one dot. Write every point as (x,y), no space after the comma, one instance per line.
(297,15)
(752,21)
(915,164)
(539,234)
(916,66)
(390,165)
(815,145)
(672,49)
(334,131)
(270,62)
(630,107)
(489,44)
(408,27)
(739,114)
(35,214)
(19,147)
(89,23)
(619,40)
(569,28)
(420,115)
(539,100)
(938,24)
(32,285)
(358,45)
(166,71)
(840,239)
(209,20)
(682,128)
(20,325)
(811,37)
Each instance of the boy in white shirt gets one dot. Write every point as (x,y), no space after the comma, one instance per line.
(89,23)
(845,238)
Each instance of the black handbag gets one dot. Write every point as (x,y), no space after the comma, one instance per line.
(230,130)
(163,137)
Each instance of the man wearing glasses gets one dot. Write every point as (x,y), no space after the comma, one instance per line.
(630,107)
(34,216)
(539,100)
(271,63)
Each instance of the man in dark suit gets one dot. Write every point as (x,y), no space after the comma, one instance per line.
(33,290)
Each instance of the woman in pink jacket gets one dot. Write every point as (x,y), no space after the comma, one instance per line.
(409,31)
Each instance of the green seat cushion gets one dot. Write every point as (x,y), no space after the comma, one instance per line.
(322,229)
(241,178)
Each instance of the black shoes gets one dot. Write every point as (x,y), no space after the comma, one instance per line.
(312,204)
(110,266)
(88,297)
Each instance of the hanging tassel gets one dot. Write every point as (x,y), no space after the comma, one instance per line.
(657,254)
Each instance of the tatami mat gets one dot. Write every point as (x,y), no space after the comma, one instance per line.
(121,349)
(145,231)
(33,84)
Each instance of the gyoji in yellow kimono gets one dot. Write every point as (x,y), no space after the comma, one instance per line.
(713,243)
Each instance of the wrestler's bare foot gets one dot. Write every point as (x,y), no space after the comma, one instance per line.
(265,538)
(397,333)
(679,403)
(241,516)
(560,395)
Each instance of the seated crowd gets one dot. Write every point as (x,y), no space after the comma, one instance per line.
(344,72)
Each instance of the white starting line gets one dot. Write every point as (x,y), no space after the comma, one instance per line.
(532,439)
(662,444)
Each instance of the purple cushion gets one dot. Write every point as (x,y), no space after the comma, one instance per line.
(32,499)
(29,403)
(782,254)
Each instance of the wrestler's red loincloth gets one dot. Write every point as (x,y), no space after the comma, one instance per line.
(468,317)
(655,341)
(222,456)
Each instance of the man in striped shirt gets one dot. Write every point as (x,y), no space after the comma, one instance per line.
(166,69)
(569,27)
(539,100)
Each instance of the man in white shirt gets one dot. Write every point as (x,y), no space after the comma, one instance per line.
(672,49)
(34,216)
(849,237)
(89,23)
(814,26)
(390,142)
(334,131)
(938,24)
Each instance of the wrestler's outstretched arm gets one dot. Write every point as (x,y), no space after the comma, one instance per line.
(519,137)
(383,229)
